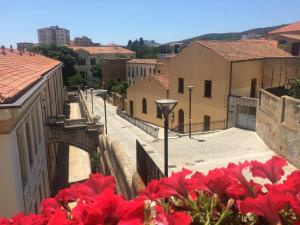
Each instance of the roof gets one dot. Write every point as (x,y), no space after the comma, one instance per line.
(163,79)
(245,49)
(288,28)
(105,50)
(143,61)
(20,72)
(291,36)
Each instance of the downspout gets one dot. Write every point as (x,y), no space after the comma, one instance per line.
(229,92)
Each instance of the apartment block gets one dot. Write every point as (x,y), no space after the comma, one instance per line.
(31,91)
(53,35)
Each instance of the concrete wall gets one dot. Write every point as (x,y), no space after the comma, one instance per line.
(113,69)
(278,125)
(151,90)
(115,162)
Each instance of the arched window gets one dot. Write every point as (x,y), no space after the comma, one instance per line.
(144,106)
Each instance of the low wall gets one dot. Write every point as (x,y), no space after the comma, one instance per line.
(83,107)
(278,124)
(115,162)
(119,101)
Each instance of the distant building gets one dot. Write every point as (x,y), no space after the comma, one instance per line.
(250,36)
(31,91)
(25,45)
(288,38)
(83,41)
(53,35)
(92,56)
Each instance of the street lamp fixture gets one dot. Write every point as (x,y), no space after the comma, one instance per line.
(190,110)
(103,92)
(166,106)
(92,99)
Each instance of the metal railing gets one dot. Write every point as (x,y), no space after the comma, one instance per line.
(151,130)
(200,127)
(146,167)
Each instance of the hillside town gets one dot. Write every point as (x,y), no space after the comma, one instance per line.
(199,131)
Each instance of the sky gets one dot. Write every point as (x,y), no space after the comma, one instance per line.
(117,21)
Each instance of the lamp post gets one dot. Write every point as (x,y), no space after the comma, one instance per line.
(104,95)
(190,110)
(166,106)
(92,100)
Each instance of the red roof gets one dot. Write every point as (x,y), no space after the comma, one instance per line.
(19,72)
(245,49)
(105,50)
(163,79)
(288,28)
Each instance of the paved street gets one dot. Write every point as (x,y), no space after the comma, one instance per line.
(203,152)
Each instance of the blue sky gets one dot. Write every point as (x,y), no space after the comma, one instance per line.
(117,21)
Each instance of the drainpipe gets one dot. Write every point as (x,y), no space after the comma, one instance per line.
(229,92)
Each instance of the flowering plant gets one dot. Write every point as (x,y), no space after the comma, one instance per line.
(223,196)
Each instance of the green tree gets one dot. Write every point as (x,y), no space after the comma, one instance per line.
(120,87)
(295,90)
(64,54)
(96,70)
(75,80)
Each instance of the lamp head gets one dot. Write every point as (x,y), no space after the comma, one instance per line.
(166,105)
(190,87)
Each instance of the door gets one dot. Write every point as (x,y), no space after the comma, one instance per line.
(253,88)
(206,123)
(246,117)
(295,48)
(181,121)
(131,108)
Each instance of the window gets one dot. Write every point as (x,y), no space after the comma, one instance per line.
(132,73)
(141,71)
(206,123)
(158,112)
(180,85)
(144,106)
(128,71)
(158,71)
(144,72)
(136,71)
(81,62)
(207,88)
(154,70)
(93,61)
(150,70)
(253,88)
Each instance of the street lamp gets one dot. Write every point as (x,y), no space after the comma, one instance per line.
(190,110)
(103,92)
(92,100)
(166,106)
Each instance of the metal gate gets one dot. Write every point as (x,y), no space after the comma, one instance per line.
(246,117)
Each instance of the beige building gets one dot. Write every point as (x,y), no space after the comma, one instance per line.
(137,69)
(30,91)
(92,56)
(221,71)
(53,35)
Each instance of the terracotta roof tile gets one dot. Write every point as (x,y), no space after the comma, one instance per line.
(288,28)
(19,72)
(245,49)
(105,50)
(163,79)
(143,61)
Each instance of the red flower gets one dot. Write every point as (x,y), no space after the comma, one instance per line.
(176,185)
(151,191)
(21,219)
(272,169)
(48,207)
(175,218)
(61,217)
(266,206)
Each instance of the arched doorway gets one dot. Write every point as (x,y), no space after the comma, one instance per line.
(181,121)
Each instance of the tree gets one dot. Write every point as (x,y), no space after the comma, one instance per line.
(96,70)
(295,90)
(120,87)
(64,54)
(75,80)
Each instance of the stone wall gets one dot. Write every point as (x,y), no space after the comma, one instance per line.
(113,69)
(278,124)
(119,101)
(115,162)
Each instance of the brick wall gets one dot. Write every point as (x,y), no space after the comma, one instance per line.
(278,124)
(113,69)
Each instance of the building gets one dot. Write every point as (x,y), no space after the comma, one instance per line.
(24,45)
(31,90)
(226,77)
(137,69)
(53,35)
(141,97)
(114,69)
(83,41)
(92,56)
(293,28)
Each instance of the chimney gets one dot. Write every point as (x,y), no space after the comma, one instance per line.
(11,48)
(3,49)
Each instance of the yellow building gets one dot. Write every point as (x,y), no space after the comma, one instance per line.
(222,73)
(31,90)
(141,97)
